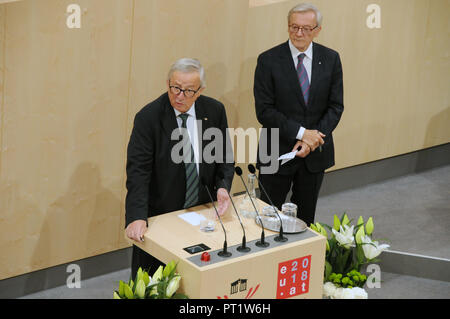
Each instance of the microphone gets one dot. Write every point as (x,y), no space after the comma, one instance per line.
(280,237)
(262,242)
(243,248)
(224,252)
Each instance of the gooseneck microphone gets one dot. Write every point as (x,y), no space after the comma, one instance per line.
(280,237)
(224,252)
(262,242)
(243,248)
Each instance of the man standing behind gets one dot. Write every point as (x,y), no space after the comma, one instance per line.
(298,89)
(157,181)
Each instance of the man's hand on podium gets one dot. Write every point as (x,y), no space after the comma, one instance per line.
(136,230)
(223,201)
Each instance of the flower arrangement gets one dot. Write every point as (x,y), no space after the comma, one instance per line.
(332,291)
(162,285)
(347,250)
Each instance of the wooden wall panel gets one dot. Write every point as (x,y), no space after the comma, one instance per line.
(64,118)
(2,75)
(6,1)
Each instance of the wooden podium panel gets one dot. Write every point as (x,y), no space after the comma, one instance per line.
(293,269)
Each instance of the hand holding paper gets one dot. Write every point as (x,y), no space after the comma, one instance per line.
(303,151)
(287,157)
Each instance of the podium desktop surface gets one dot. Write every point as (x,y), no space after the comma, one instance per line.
(291,269)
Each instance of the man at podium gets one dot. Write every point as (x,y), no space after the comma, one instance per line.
(166,172)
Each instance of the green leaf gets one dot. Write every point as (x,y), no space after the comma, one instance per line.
(161,289)
(336,223)
(343,260)
(121,289)
(328,270)
(116,295)
(360,255)
(152,291)
(146,278)
(169,270)
(321,230)
(128,292)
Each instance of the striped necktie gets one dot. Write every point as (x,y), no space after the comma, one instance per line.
(303,77)
(192,180)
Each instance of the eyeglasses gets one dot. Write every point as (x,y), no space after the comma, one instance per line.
(294,28)
(187,92)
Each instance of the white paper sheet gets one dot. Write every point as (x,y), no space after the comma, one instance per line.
(287,157)
(192,218)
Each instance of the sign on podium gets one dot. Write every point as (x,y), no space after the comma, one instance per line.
(290,269)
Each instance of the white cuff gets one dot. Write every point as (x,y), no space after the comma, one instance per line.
(300,133)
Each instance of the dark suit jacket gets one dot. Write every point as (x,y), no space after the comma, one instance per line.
(156,184)
(279,102)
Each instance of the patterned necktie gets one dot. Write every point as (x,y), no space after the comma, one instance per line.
(303,77)
(192,180)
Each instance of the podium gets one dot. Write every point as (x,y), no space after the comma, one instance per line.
(291,269)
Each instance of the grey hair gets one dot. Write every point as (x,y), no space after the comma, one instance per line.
(187,65)
(305,7)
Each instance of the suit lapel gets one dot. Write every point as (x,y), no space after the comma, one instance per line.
(169,124)
(291,73)
(168,119)
(316,70)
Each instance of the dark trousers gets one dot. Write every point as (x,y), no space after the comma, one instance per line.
(305,190)
(142,259)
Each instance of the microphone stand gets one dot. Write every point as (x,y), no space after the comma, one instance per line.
(224,252)
(280,237)
(261,243)
(243,248)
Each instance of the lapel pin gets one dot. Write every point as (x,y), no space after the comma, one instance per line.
(205,119)
(320,62)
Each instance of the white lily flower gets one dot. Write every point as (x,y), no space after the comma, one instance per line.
(173,286)
(158,274)
(329,289)
(152,281)
(140,289)
(354,293)
(359,293)
(338,293)
(371,248)
(345,236)
(347,293)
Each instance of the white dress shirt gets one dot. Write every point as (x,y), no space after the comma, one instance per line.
(191,125)
(307,62)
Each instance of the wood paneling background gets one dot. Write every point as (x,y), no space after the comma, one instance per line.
(68,98)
